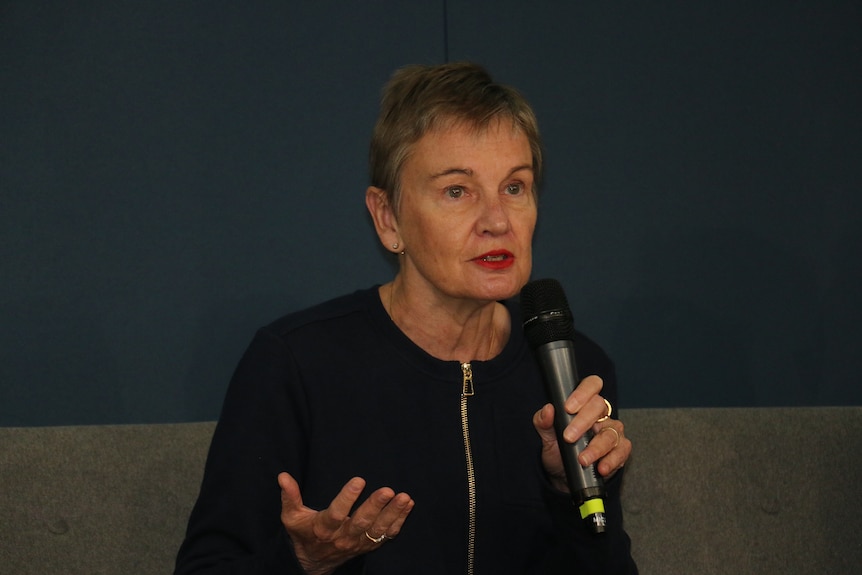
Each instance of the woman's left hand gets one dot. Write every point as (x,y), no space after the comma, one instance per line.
(610,450)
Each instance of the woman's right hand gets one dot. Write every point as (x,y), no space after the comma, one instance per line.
(323,540)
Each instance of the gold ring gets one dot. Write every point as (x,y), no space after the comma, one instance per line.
(610,410)
(380,539)
(617,433)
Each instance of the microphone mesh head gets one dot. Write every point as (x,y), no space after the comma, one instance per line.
(546,312)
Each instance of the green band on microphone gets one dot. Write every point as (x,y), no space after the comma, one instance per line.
(591,507)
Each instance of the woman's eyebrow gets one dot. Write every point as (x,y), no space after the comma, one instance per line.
(451,171)
(469,171)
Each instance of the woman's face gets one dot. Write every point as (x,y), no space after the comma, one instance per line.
(467,213)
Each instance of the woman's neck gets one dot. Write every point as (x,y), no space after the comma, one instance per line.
(457,330)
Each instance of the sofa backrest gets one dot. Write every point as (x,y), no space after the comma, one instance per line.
(742,491)
(91,500)
(745,491)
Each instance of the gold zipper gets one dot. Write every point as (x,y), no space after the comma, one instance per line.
(467,390)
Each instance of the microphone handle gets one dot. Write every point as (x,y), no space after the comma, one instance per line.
(557,360)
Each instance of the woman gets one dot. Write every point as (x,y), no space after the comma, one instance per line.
(402,427)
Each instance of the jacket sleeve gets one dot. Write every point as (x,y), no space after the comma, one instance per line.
(235,526)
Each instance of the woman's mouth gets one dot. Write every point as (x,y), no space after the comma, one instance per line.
(496,260)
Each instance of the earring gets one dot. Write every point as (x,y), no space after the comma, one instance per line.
(395,246)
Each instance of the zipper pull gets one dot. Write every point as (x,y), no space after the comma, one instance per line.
(467,370)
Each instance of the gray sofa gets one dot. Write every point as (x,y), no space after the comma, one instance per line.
(708,491)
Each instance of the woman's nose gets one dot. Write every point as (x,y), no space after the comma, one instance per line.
(494,219)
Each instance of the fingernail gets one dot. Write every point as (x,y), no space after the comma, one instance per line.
(570,435)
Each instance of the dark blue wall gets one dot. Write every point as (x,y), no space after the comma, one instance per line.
(175,174)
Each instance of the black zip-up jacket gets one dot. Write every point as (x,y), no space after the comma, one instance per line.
(338,391)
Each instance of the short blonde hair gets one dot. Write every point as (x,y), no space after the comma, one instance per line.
(418,99)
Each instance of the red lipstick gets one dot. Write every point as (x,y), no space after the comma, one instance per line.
(496,260)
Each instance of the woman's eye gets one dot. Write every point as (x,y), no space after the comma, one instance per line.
(455,192)
(514,189)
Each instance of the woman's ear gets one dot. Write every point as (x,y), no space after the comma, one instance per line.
(383,216)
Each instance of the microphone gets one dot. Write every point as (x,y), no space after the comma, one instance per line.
(550,331)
